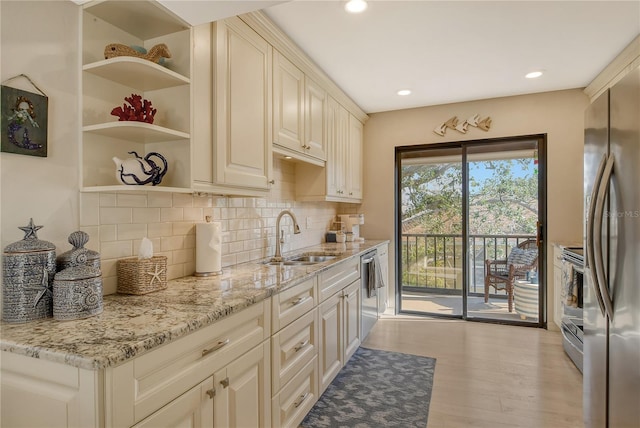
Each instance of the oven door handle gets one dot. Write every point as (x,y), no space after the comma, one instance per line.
(590,256)
(601,274)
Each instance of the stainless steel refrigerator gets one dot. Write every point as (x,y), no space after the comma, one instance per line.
(612,263)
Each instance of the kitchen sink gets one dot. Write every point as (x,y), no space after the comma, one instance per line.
(312,258)
(302,260)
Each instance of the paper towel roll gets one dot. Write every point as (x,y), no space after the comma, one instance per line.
(208,248)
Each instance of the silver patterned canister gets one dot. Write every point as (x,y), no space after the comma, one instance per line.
(78,239)
(77,290)
(28,269)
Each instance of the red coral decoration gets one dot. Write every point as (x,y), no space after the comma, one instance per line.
(139,110)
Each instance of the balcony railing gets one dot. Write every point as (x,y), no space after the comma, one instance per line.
(433,262)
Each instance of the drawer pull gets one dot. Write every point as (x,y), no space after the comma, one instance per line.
(301,345)
(211,393)
(300,300)
(215,348)
(224,382)
(301,400)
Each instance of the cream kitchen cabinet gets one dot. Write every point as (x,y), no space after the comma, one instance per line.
(181,381)
(106,83)
(243,390)
(315,113)
(339,319)
(233,112)
(354,162)
(288,106)
(299,113)
(194,408)
(294,350)
(341,179)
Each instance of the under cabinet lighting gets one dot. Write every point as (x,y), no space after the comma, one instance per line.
(404,92)
(533,74)
(355,6)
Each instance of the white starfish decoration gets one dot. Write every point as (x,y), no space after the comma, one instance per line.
(156,275)
(43,289)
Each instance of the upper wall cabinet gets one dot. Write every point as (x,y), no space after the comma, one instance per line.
(136,26)
(341,179)
(232,109)
(299,113)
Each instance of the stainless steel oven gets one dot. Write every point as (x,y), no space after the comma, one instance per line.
(572,302)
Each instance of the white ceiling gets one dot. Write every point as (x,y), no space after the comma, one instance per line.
(453,51)
(444,51)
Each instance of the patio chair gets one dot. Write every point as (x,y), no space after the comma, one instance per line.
(502,274)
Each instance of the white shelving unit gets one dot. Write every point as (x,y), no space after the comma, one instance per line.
(106,82)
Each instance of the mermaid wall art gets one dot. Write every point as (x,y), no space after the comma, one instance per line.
(24,122)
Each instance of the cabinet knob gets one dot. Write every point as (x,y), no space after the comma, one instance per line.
(224,382)
(272,181)
(211,393)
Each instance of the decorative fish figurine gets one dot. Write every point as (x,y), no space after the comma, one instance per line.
(462,127)
(155,54)
(440,129)
(485,124)
(473,121)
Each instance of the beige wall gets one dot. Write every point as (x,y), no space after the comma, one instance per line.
(560,115)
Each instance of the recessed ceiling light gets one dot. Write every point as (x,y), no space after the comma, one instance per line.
(404,92)
(288,157)
(533,74)
(355,6)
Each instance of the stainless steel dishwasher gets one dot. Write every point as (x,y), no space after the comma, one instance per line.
(368,293)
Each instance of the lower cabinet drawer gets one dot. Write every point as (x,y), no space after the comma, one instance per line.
(289,304)
(296,398)
(292,348)
(146,383)
(336,278)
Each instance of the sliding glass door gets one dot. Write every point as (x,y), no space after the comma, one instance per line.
(468,229)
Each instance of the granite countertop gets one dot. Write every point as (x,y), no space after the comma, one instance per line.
(132,325)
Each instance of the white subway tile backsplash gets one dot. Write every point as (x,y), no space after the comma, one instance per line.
(107,199)
(115,215)
(183,228)
(117,222)
(94,237)
(131,231)
(116,249)
(156,230)
(108,233)
(159,200)
(193,214)
(171,214)
(89,209)
(182,200)
(131,200)
(171,243)
(146,215)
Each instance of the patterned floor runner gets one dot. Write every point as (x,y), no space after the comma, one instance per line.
(376,389)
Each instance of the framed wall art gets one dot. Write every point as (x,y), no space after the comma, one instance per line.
(23,119)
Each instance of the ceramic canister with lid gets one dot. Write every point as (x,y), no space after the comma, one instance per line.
(77,290)
(78,239)
(28,269)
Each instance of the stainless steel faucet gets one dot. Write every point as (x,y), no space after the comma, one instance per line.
(280,238)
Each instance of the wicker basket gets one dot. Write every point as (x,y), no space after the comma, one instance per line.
(142,276)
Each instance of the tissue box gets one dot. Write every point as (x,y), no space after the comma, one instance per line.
(142,276)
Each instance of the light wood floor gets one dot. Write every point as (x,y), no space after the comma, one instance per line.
(489,375)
